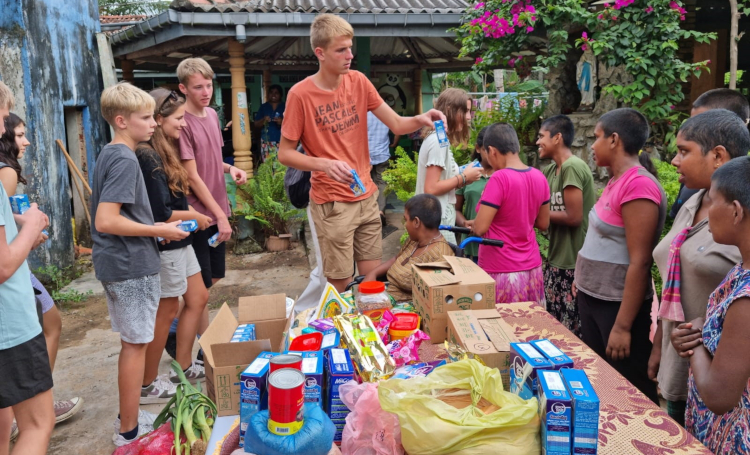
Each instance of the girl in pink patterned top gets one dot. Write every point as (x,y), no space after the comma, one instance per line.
(514,202)
(718,405)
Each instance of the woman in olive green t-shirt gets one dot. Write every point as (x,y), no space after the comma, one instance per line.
(572,196)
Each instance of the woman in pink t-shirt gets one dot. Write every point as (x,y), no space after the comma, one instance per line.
(514,202)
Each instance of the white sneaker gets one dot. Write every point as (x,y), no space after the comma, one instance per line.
(144,418)
(120,441)
(160,391)
(195,372)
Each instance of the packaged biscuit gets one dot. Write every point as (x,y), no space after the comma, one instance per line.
(368,353)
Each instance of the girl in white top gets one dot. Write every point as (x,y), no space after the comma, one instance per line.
(437,172)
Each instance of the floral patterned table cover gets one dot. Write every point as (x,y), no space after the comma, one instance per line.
(629,423)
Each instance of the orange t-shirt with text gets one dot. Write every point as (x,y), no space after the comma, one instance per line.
(333,125)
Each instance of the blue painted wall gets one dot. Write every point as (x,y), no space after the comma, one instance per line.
(60,66)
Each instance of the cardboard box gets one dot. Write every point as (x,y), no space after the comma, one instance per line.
(553,353)
(525,363)
(556,413)
(585,411)
(225,361)
(485,334)
(454,285)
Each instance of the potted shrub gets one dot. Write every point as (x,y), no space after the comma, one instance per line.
(268,204)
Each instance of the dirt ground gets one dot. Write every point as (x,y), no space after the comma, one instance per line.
(87,359)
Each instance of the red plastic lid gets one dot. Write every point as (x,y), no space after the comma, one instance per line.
(372,287)
(405,321)
(307,342)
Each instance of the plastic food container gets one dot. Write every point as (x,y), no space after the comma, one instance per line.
(403,325)
(307,342)
(372,296)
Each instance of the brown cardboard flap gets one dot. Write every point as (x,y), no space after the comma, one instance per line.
(434,265)
(229,354)
(462,266)
(220,330)
(262,307)
(499,333)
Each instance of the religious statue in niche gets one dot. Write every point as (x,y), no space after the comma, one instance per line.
(586,79)
(393,94)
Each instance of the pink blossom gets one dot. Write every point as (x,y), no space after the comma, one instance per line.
(585,47)
(650,9)
(708,62)
(479,5)
(478,60)
(600,17)
(522,103)
(614,18)
(530,9)
(584,35)
(529,29)
(672,107)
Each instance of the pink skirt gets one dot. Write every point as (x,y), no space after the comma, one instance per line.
(526,286)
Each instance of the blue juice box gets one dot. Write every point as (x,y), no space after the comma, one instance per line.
(245,331)
(339,370)
(213,241)
(331,340)
(312,367)
(19,204)
(585,411)
(474,163)
(553,354)
(525,361)
(357,187)
(442,136)
(253,390)
(555,412)
(187,226)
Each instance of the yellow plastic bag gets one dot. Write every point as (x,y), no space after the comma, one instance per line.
(432,424)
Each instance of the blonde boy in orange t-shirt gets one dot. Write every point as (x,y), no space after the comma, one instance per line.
(327,112)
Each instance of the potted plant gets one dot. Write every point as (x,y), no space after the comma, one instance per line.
(268,204)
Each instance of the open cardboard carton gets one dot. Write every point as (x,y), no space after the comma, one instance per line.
(452,285)
(225,361)
(484,334)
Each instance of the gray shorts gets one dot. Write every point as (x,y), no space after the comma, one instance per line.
(132,307)
(176,267)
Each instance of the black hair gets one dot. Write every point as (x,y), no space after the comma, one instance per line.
(277,87)
(560,124)
(717,127)
(630,125)
(724,98)
(645,160)
(427,208)
(731,181)
(479,143)
(8,148)
(503,137)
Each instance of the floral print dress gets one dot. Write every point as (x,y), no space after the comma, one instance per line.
(728,433)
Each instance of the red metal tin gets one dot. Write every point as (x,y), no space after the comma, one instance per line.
(285,400)
(286,361)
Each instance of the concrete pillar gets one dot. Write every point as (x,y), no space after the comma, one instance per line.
(127,67)
(241,121)
(363,55)
(417,91)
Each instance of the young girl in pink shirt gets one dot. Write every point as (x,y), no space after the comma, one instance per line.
(514,202)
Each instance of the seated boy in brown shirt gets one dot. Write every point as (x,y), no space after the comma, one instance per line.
(422,221)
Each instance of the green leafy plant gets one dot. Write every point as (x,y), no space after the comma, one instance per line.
(523,112)
(401,176)
(642,36)
(55,279)
(263,199)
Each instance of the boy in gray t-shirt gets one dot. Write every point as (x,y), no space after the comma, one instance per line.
(125,254)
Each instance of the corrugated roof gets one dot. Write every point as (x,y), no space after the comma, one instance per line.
(322,6)
(105,19)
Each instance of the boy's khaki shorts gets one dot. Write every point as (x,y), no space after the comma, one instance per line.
(347,232)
